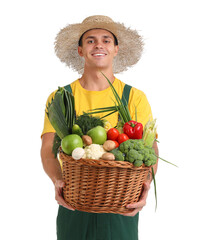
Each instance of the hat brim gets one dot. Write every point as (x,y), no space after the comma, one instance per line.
(130,47)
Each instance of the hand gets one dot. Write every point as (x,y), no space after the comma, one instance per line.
(59,184)
(136,207)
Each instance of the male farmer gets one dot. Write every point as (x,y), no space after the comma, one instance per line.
(96,45)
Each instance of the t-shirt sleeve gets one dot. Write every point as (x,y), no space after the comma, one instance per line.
(47,125)
(139,100)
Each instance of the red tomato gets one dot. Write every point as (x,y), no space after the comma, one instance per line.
(112,134)
(116,143)
(122,138)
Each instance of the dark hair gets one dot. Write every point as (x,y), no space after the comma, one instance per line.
(80,40)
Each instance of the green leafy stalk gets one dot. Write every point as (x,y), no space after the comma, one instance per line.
(120,107)
(121,112)
(126,108)
(56,117)
(69,106)
(60,98)
(102,111)
(108,114)
(105,109)
(129,115)
(155,188)
(69,109)
(113,89)
(61,112)
(166,161)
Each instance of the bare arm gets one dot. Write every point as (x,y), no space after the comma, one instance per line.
(50,163)
(52,167)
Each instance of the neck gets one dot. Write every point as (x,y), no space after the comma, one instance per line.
(95,81)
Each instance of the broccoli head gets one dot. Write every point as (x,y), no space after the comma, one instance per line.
(151,160)
(146,153)
(125,146)
(137,153)
(119,156)
(138,163)
(138,144)
(133,155)
(150,149)
(149,156)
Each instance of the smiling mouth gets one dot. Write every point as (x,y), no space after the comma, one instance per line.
(99,54)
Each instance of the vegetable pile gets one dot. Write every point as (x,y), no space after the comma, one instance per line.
(86,136)
(91,137)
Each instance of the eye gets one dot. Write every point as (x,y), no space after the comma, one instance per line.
(106,41)
(90,41)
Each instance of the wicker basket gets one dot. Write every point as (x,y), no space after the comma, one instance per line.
(101,186)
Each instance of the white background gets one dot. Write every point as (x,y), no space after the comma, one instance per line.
(30,71)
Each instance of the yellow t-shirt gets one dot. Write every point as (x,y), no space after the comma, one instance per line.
(86,100)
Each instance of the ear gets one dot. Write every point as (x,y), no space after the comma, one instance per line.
(80,51)
(116,50)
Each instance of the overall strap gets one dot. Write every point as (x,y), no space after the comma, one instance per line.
(125,94)
(68,88)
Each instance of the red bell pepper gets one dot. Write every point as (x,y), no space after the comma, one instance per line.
(133,129)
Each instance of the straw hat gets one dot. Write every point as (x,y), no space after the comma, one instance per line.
(129,41)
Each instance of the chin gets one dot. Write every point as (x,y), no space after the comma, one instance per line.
(102,66)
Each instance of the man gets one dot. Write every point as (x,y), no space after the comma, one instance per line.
(106,46)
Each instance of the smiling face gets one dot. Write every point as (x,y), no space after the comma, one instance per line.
(98,49)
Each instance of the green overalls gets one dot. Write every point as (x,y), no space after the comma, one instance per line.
(77,225)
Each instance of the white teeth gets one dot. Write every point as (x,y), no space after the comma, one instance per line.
(99,54)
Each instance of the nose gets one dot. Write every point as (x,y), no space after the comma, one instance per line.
(98,45)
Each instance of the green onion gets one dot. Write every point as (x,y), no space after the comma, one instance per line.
(155,188)
(119,107)
(166,161)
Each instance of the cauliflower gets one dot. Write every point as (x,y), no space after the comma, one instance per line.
(93,151)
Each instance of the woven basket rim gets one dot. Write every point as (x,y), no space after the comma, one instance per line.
(100,162)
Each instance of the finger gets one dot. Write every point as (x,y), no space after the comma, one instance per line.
(59,188)
(146,187)
(59,183)
(58,191)
(66,206)
(59,197)
(142,201)
(137,210)
(133,213)
(139,204)
(62,202)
